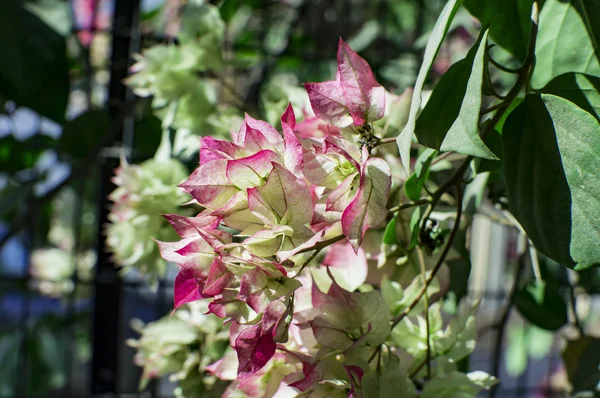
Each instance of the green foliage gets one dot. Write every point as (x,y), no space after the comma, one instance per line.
(387,383)
(547,177)
(18,155)
(433,46)
(33,69)
(542,304)
(568,40)
(414,184)
(509,21)
(580,89)
(450,120)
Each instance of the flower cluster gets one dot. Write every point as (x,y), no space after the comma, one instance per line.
(143,192)
(271,202)
(182,346)
(269,199)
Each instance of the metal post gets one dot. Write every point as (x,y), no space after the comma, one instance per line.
(108,297)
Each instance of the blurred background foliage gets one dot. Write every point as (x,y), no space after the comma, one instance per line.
(195,68)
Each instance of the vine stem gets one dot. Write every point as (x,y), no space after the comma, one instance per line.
(308,260)
(440,261)
(408,205)
(322,244)
(426,302)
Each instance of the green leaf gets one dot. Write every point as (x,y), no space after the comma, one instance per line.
(388,383)
(459,338)
(18,155)
(390,237)
(433,45)
(148,134)
(450,120)
(542,305)
(582,90)
(84,134)
(414,184)
(509,21)
(583,363)
(460,267)
(450,385)
(33,66)
(54,13)
(568,39)
(552,164)
(415,227)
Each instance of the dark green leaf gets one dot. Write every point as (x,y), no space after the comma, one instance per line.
(390,236)
(582,90)
(414,184)
(33,66)
(583,363)
(20,155)
(493,140)
(460,267)
(552,164)
(509,21)
(541,304)
(433,45)
(568,39)
(415,227)
(450,120)
(148,132)
(84,134)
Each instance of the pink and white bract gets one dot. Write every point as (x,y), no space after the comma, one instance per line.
(271,200)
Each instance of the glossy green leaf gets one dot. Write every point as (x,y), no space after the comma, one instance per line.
(582,363)
(568,39)
(414,184)
(390,237)
(552,158)
(433,45)
(582,90)
(509,21)
(542,305)
(84,134)
(450,120)
(33,66)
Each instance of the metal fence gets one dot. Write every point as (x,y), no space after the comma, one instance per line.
(74,346)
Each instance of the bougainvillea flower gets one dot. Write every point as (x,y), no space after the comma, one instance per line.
(354,97)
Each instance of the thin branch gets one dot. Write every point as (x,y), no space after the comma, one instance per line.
(499,65)
(408,205)
(440,261)
(426,303)
(308,260)
(383,141)
(322,244)
(491,109)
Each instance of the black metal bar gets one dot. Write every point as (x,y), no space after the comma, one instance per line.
(108,298)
